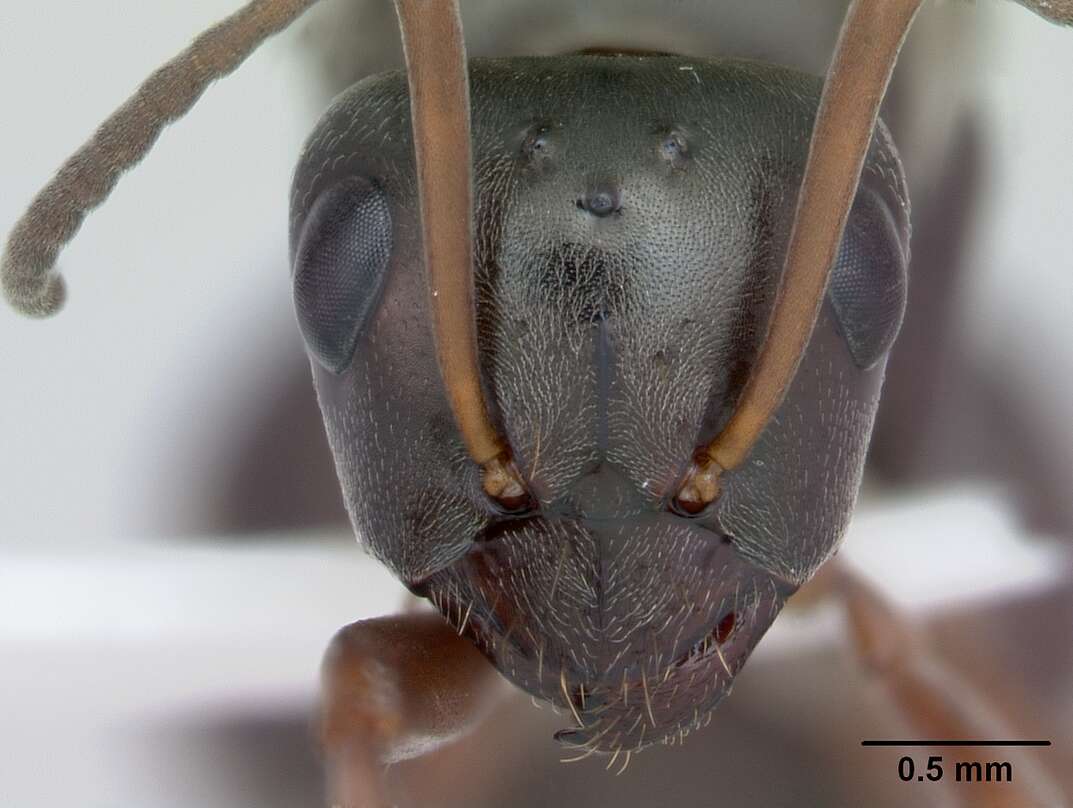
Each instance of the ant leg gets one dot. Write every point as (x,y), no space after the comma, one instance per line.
(931,697)
(395,688)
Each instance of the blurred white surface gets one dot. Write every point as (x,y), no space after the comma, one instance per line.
(125,664)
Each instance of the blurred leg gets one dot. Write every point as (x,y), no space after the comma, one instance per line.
(395,688)
(932,698)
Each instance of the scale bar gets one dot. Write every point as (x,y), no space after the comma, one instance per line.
(953,742)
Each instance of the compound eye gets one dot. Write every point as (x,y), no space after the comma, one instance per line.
(868,281)
(339,267)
